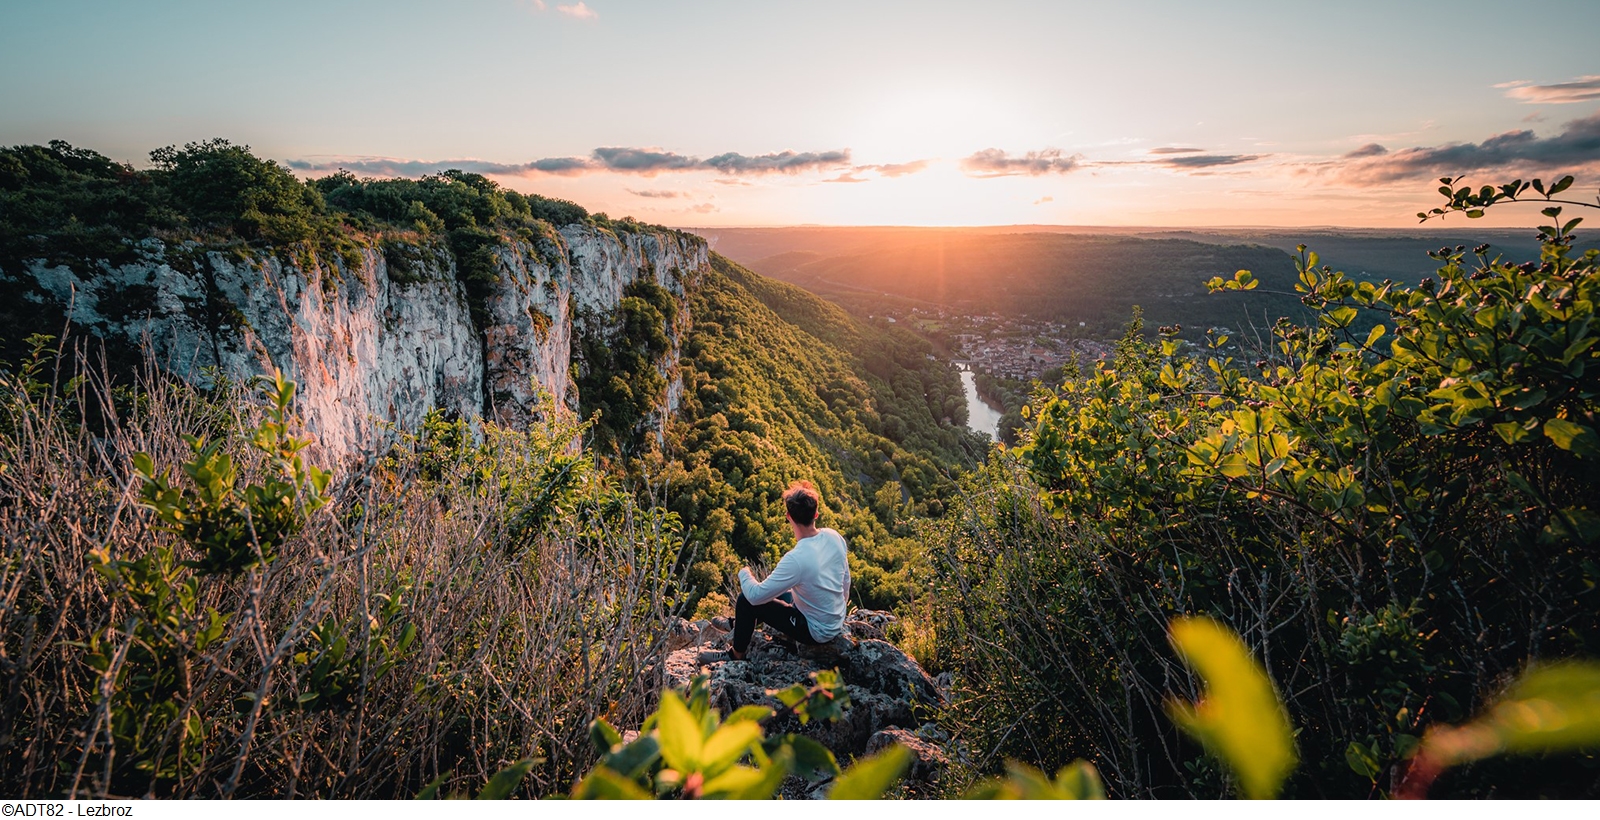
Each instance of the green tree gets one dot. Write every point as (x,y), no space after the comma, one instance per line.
(221,186)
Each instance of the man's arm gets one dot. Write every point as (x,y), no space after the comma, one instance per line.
(783,576)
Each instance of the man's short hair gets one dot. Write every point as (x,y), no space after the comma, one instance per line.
(802,501)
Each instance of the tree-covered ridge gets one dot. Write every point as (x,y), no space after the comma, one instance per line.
(64,203)
(1054,277)
(767,402)
(923,403)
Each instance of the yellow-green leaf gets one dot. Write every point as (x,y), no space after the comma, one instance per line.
(727,745)
(739,783)
(1076,781)
(1239,719)
(1571,436)
(678,733)
(868,778)
(604,784)
(1080,780)
(1362,761)
(505,781)
(1024,782)
(1553,708)
(749,712)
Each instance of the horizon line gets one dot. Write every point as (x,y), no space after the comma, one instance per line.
(817,225)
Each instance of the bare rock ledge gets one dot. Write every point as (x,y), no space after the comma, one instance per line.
(892,699)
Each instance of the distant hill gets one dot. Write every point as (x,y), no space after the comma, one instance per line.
(1401,255)
(1087,282)
(1088,274)
(1374,252)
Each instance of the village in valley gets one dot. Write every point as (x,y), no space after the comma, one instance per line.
(1015,348)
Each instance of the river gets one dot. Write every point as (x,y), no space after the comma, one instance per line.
(981,416)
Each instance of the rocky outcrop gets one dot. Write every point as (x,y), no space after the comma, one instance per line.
(892,699)
(373,344)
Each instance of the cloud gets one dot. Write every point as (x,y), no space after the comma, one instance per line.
(705,208)
(558,165)
(1371,149)
(538,5)
(641,161)
(993,162)
(655,194)
(886,171)
(1581,89)
(648,161)
(1185,163)
(787,162)
(578,11)
(1042,200)
(386,167)
(1577,146)
(899,169)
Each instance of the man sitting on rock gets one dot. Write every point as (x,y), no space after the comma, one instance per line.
(805,595)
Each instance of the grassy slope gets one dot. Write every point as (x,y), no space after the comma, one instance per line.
(779,386)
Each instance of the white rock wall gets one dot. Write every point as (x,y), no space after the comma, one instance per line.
(371,355)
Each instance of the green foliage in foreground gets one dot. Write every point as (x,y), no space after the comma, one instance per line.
(1395,520)
(236,530)
(1242,722)
(196,611)
(685,750)
(1239,718)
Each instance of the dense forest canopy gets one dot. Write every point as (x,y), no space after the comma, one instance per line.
(68,203)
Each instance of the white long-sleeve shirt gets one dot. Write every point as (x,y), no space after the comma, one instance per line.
(817,572)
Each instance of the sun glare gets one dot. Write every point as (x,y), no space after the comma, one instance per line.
(946,122)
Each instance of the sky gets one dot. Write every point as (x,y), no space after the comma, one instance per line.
(758,112)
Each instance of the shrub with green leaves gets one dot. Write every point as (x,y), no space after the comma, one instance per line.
(193,609)
(686,750)
(1393,507)
(235,529)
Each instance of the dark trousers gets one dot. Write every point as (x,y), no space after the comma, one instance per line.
(778,612)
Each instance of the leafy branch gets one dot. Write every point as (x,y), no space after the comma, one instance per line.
(1474,202)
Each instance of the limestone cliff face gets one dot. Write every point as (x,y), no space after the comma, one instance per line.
(374,348)
(552,289)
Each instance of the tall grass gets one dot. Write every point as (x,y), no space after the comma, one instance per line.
(468,601)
